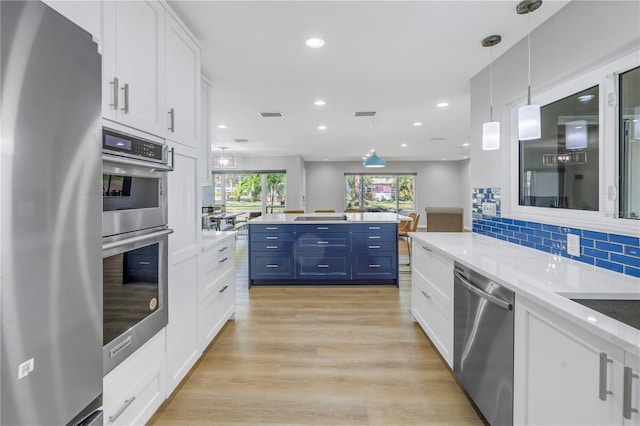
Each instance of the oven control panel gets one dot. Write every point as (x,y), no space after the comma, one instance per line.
(129,146)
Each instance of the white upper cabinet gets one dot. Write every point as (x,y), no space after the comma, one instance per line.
(204,161)
(133,64)
(182,85)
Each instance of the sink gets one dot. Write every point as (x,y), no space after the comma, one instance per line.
(624,310)
(319,218)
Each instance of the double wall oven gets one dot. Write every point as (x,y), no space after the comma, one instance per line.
(134,242)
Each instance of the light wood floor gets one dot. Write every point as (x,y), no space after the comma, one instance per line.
(316,355)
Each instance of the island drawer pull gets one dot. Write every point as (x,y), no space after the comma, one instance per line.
(272,265)
(126,405)
(322,228)
(323,242)
(374,237)
(323,266)
(602,391)
(374,227)
(627,409)
(271,228)
(374,247)
(272,238)
(144,263)
(271,247)
(374,266)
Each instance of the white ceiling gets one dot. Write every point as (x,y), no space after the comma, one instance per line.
(398,58)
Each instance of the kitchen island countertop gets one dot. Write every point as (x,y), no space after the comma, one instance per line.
(337,217)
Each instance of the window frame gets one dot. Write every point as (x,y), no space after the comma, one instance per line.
(606,217)
(397,182)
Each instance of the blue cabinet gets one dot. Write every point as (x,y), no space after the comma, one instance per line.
(334,253)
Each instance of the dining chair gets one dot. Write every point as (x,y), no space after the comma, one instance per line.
(411,226)
(353,211)
(325,211)
(292,211)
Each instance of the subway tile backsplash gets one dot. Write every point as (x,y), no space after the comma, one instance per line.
(619,253)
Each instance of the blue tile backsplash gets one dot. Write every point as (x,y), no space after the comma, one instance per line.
(619,253)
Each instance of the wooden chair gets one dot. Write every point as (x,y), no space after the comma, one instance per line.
(325,211)
(293,211)
(410,226)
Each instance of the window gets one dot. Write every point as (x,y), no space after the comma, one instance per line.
(248,192)
(561,169)
(369,192)
(629,86)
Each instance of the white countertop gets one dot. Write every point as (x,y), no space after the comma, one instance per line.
(213,237)
(545,279)
(351,218)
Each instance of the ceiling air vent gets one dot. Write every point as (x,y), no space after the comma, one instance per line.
(437,138)
(364,114)
(241,140)
(270,114)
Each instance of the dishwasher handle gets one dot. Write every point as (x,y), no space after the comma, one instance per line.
(488,297)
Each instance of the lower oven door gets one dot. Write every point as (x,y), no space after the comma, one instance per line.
(134,292)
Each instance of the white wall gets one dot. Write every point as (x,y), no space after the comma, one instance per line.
(438,183)
(582,36)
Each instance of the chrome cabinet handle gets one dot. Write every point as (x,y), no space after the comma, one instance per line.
(144,263)
(125,89)
(172,114)
(223,249)
(116,88)
(374,237)
(374,247)
(271,247)
(126,405)
(374,227)
(272,265)
(602,391)
(322,228)
(323,242)
(272,238)
(223,289)
(374,266)
(271,228)
(627,409)
(323,266)
(425,294)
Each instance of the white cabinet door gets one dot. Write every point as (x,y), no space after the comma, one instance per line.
(182,85)
(205,133)
(133,64)
(631,403)
(182,331)
(563,373)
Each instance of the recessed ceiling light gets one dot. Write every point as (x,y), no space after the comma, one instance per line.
(319,102)
(403,145)
(443,104)
(417,123)
(326,159)
(222,126)
(322,127)
(314,42)
(444,159)
(465,144)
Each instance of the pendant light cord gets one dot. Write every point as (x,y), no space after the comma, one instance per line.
(529,61)
(491,84)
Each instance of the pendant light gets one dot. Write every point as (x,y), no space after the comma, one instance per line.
(529,115)
(491,129)
(374,161)
(223,161)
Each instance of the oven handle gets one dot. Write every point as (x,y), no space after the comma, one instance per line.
(490,298)
(132,240)
(139,163)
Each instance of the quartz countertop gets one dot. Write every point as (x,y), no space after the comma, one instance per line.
(213,237)
(549,280)
(326,218)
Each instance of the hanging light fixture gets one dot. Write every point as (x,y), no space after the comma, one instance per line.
(374,161)
(491,129)
(223,161)
(529,115)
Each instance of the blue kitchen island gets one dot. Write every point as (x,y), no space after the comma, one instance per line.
(327,248)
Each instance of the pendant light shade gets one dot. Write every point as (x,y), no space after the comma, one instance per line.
(491,129)
(529,122)
(491,135)
(529,115)
(223,161)
(374,161)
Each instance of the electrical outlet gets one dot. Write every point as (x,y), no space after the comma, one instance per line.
(25,368)
(489,209)
(573,244)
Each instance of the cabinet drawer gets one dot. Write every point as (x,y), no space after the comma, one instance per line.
(217,256)
(435,318)
(270,237)
(275,228)
(372,247)
(323,228)
(271,266)
(332,241)
(379,265)
(375,227)
(276,246)
(373,236)
(435,268)
(137,404)
(216,307)
(310,266)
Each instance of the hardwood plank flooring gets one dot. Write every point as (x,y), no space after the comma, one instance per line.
(319,355)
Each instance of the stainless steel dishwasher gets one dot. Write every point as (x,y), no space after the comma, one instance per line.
(483,343)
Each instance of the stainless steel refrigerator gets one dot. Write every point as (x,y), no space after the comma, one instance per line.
(50,219)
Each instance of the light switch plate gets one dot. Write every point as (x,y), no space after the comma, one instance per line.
(489,209)
(573,244)
(25,368)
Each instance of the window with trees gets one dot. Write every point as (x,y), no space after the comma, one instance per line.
(383,193)
(250,192)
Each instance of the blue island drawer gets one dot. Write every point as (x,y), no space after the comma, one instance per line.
(287,228)
(270,237)
(321,228)
(375,227)
(373,237)
(273,246)
(319,267)
(374,246)
(270,266)
(382,265)
(333,241)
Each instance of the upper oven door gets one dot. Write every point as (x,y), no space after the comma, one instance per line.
(133,197)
